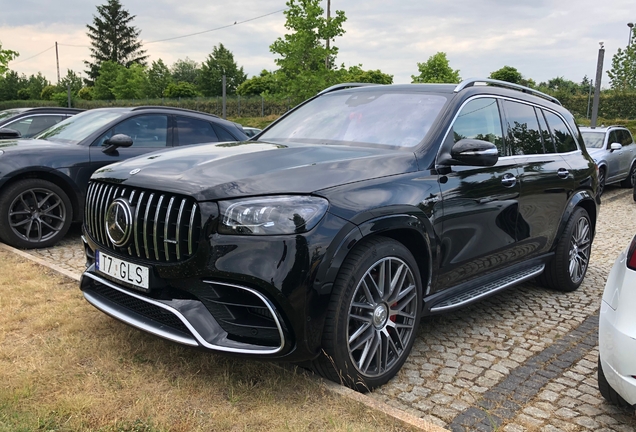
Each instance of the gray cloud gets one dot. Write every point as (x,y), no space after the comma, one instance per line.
(542,38)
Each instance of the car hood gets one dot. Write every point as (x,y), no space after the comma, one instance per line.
(20,145)
(596,153)
(216,171)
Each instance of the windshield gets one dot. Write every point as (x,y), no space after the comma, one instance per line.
(77,128)
(9,113)
(593,139)
(368,117)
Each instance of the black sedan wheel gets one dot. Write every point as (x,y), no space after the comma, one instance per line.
(373,316)
(568,267)
(35,213)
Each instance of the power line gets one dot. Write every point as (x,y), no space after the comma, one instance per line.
(29,58)
(214,29)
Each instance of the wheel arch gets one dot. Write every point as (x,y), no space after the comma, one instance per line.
(64,182)
(585,200)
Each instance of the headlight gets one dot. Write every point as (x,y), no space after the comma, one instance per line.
(271,215)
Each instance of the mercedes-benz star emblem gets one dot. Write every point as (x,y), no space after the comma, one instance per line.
(135,171)
(119,222)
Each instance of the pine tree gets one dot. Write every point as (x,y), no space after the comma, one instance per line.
(220,62)
(113,38)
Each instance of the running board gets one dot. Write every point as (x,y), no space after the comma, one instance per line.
(479,292)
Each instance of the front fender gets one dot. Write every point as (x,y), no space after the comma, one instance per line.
(580,199)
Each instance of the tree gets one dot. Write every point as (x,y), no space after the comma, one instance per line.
(11,83)
(562,86)
(181,89)
(267,83)
(220,62)
(185,71)
(35,85)
(158,79)
(357,74)
(508,74)
(131,83)
(5,57)
(302,53)
(623,72)
(73,80)
(436,70)
(105,82)
(113,38)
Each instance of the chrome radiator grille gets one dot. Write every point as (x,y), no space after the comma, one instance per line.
(165,227)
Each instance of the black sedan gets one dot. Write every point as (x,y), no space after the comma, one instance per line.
(29,122)
(43,180)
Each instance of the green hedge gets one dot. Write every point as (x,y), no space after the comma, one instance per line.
(611,105)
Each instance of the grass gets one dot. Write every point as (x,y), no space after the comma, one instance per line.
(64,366)
(257,122)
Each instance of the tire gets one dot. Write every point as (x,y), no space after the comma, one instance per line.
(362,317)
(608,393)
(34,213)
(601,181)
(566,270)
(630,181)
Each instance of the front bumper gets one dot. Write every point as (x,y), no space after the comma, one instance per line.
(617,331)
(249,296)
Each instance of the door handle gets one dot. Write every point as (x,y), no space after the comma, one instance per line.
(509,180)
(563,173)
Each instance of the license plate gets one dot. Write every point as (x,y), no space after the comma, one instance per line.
(122,270)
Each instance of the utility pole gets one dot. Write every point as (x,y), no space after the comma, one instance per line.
(57,59)
(597,89)
(224,99)
(328,16)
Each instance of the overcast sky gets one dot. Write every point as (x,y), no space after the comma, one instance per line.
(543,39)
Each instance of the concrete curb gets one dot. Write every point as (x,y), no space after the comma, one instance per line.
(399,415)
(40,261)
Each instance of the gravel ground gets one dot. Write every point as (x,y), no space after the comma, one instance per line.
(522,360)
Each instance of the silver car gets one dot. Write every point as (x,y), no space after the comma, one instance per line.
(614,151)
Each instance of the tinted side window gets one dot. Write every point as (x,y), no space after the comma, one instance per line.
(479,119)
(613,138)
(563,139)
(548,142)
(194,131)
(149,130)
(625,136)
(31,126)
(223,134)
(524,134)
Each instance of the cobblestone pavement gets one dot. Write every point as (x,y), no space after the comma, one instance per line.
(523,360)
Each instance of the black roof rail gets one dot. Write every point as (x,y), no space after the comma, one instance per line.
(470,82)
(343,86)
(170,107)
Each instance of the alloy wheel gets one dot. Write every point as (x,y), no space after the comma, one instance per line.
(37,214)
(580,244)
(382,317)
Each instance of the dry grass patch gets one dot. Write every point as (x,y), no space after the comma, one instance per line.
(64,366)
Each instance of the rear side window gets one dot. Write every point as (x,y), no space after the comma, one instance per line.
(480,119)
(194,131)
(625,137)
(223,134)
(523,131)
(32,126)
(563,139)
(548,142)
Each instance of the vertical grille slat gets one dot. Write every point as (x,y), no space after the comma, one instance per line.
(166,228)
(154,231)
(176,240)
(145,235)
(178,232)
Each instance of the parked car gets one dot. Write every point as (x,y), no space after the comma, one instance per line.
(43,181)
(251,131)
(614,150)
(363,209)
(31,121)
(617,332)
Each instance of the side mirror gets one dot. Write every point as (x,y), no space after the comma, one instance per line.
(119,140)
(615,146)
(6,133)
(475,152)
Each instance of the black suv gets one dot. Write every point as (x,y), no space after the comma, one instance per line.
(326,240)
(43,180)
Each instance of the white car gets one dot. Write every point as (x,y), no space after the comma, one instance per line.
(617,332)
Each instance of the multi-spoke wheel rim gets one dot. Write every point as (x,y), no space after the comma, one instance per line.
(580,250)
(37,214)
(633,177)
(601,182)
(382,316)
